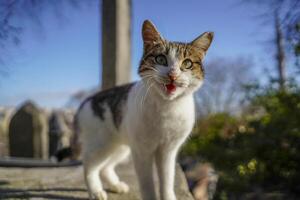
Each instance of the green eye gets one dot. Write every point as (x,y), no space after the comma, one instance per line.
(187,64)
(161,60)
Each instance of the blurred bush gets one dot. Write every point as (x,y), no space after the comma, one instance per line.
(258,151)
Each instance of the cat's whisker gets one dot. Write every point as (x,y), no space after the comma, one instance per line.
(147,90)
(139,96)
(149,66)
(149,69)
(146,73)
(161,80)
(145,96)
(154,69)
(147,76)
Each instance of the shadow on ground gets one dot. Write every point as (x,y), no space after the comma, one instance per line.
(49,193)
(68,183)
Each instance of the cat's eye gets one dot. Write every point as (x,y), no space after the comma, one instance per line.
(187,64)
(161,60)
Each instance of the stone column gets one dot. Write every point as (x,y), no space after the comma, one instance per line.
(116,42)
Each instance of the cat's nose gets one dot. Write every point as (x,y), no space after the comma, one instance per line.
(172,76)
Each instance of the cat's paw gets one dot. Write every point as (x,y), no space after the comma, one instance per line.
(99,195)
(169,196)
(120,187)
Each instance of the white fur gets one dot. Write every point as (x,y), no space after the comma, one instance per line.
(154,126)
(155,135)
(102,149)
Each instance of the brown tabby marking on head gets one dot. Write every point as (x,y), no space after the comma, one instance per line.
(155,45)
(183,51)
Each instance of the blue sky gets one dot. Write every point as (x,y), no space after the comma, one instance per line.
(63,57)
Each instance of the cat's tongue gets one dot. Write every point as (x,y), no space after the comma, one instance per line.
(171,87)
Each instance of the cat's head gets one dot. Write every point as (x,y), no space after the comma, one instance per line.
(173,69)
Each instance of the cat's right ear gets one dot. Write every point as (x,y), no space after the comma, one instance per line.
(151,36)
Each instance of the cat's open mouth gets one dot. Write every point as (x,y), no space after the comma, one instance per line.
(170,87)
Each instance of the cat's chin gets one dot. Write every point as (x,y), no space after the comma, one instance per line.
(169,97)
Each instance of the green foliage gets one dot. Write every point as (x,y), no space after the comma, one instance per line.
(259,150)
(208,131)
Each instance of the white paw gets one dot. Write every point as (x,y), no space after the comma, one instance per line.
(120,187)
(99,195)
(169,196)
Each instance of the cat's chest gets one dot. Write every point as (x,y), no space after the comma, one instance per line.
(174,117)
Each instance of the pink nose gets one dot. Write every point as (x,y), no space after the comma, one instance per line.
(172,77)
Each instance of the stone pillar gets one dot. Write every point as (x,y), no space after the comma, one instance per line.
(116,42)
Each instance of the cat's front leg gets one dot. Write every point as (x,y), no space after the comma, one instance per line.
(143,163)
(165,162)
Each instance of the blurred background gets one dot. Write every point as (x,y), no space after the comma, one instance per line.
(246,142)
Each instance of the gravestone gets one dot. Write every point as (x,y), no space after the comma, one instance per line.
(28,133)
(59,132)
(2,132)
(5,115)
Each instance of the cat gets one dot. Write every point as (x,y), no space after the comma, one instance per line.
(150,118)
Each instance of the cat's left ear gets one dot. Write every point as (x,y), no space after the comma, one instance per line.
(203,41)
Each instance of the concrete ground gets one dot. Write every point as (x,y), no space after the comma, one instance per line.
(67,183)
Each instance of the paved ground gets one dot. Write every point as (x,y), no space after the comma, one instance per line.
(67,183)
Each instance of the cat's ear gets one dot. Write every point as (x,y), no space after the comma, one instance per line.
(151,36)
(203,41)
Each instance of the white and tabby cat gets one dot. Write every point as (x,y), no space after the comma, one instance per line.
(151,118)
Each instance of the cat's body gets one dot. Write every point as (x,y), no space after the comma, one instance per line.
(151,118)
